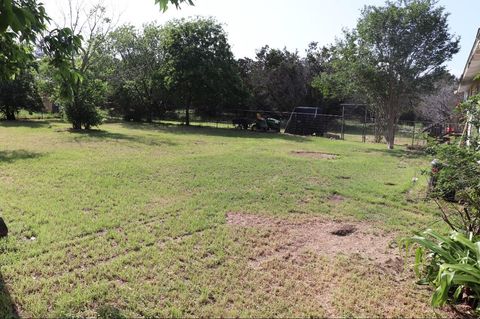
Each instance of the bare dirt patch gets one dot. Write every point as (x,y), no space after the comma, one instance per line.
(345,230)
(314,155)
(289,238)
(336,198)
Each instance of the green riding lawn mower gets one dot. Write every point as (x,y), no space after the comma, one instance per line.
(261,124)
(266,124)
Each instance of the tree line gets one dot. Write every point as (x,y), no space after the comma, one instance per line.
(142,73)
(393,61)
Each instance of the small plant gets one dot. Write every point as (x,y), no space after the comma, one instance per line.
(451,264)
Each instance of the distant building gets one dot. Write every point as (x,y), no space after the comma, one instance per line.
(470,80)
(48,105)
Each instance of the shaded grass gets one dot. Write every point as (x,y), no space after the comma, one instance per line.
(131,218)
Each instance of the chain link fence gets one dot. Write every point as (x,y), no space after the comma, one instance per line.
(353,124)
(348,126)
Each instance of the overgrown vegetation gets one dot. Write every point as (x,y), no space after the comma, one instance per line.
(452,264)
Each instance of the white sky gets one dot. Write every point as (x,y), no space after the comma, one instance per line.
(284,23)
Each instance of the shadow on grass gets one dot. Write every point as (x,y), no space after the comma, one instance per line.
(397,152)
(84,135)
(210,131)
(13,156)
(7,306)
(25,123)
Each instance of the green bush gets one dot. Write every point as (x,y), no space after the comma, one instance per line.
(459,175)
(83,110)
(451,264)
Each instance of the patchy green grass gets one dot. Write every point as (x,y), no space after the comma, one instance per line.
(131,220)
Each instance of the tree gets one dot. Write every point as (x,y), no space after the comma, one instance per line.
(138,86)
(439,105)
(279,80)
(284,78)
(392,58)
(81,77)
(22,23)
(19,93)
(276,79)
(199,67)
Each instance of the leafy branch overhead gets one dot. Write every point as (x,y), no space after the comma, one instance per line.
(164,3)
(22,23)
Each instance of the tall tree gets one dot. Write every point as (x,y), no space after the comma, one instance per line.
(82,93)
(199,66)
(23,23)
(276,79)
(393,57)
(139,90)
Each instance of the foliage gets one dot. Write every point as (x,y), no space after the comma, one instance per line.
(458,174)
(21,21)
(19,93)
(199,66)
(164,3)
(393,56)
(279,80)
(276,79)
(139,91)
(451,264)
(80,76)
(439,105)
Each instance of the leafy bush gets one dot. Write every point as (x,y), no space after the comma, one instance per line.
(83,109)
(451,264)
(459,175)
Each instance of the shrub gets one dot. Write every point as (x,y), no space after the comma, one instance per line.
(459,175)
(82,110)
(451,264)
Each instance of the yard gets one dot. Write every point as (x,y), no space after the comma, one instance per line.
(157,220)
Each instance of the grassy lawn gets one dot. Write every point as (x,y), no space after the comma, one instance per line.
(134,219)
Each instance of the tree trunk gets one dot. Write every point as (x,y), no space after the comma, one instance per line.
(10,115)
(150,114)
(390,132)
(378,131)
(187,115)
(391,138)
(76,125)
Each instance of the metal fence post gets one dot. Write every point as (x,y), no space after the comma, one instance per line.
(364,137)
(343,123)
(413,134)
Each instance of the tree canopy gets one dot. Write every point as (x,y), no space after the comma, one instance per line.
(199,65)
(392,57)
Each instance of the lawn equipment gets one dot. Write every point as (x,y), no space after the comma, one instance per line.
(266,124)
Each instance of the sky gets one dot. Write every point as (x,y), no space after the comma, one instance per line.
(293,24)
